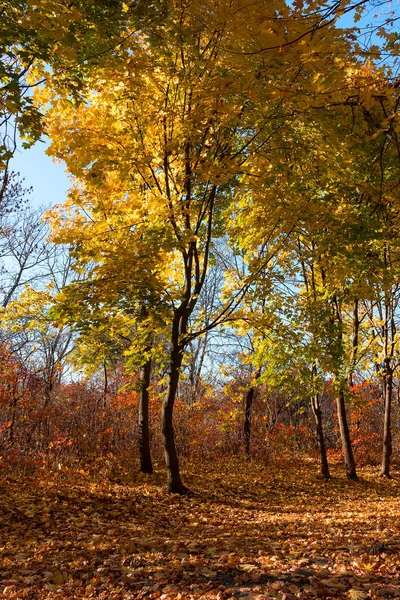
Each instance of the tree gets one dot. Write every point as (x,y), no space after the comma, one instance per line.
(177,135)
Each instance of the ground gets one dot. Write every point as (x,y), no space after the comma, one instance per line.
(247,532)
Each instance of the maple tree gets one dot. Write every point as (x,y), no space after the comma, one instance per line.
(337,252)
(176,179)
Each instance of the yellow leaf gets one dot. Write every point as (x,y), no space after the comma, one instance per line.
(354,594)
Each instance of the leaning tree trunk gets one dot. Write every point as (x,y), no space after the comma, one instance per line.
(174,481)
(316,409)
(387,429)
(345,437)
(144,434)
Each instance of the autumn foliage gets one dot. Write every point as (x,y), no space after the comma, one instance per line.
(83,427)
(215,302)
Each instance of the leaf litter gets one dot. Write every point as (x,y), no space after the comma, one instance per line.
(247,532)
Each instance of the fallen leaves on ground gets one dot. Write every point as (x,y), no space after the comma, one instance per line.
(248,532)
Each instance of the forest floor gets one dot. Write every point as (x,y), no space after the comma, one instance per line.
(248,532)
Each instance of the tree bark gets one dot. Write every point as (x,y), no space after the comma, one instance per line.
(345,437)
(316,409)
(13,419)
(144,434)
(387,429)
(247,419)
(174,481)
(247,414)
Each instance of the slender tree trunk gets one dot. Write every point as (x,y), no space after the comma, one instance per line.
(247,419)
(316,409)
(247,414)
(387,429)
(105,391)
(144,434)
(174,481)
(13,419)
(345,437)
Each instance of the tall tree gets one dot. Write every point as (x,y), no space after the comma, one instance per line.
(178,134)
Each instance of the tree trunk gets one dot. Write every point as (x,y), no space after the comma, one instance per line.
(13,419)
(387,430)
(316,409)
(247,414)
(247,419)
(174,482)
(345,436)
(144,434)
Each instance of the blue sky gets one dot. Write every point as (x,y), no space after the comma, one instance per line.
(49,181)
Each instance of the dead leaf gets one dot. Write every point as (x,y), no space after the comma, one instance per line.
(355,594)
